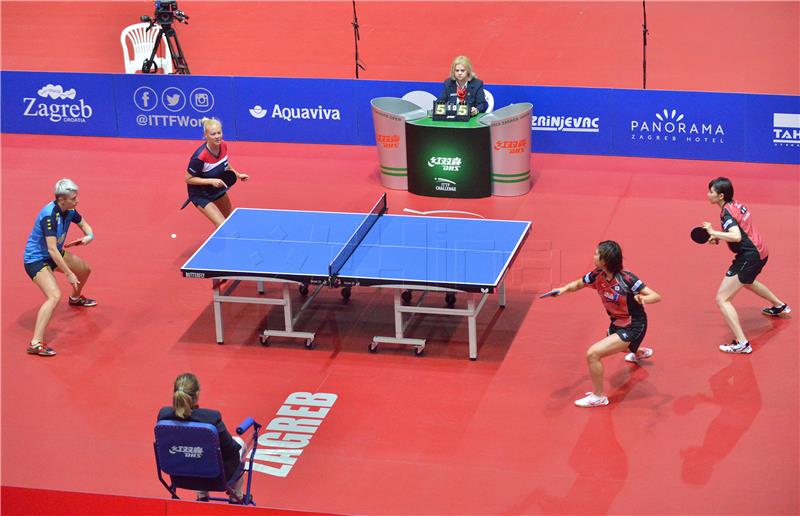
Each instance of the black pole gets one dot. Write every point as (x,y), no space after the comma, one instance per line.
(357,38)
(644,45)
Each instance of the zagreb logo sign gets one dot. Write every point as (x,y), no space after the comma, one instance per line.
(57,105)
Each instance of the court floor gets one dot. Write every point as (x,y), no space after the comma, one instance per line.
(692,431)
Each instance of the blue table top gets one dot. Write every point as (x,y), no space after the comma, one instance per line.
(466,254)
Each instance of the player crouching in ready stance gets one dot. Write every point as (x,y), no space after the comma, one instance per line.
(623,296)
(751,256)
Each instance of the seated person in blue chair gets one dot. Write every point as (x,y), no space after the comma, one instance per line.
(185,408)
(464,87)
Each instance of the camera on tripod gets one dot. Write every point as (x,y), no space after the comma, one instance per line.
(166,14)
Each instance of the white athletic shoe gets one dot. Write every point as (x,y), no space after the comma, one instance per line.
(641,353)
(591,400)
(736,347)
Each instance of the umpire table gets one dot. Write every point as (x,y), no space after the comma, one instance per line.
(312,250)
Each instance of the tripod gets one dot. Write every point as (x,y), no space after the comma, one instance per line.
(179,63)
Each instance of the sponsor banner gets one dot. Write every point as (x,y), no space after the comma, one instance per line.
(773,129)
(447,161)
(672,124)
(58,103)
(647,123)
(296,110)
(565,120)
(172,106)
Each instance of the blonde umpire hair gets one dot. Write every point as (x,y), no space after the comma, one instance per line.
(184,397)
(64,186)
(207,122)
(466,63)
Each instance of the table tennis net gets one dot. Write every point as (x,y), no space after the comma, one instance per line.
(357,237)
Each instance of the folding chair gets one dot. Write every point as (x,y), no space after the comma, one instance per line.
(190,454)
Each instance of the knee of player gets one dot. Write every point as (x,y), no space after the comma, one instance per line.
(721,299)
(592,354)
(54,296)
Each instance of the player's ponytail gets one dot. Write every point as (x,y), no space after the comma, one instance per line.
(184,397)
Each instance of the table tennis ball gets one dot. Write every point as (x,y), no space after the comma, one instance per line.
(173,235)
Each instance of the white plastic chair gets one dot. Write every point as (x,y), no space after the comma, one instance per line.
(142,41)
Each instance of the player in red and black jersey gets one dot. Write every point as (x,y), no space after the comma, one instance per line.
(751,255)
(623,296)
(206,188)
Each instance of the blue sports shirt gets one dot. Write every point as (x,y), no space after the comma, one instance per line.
(50,221)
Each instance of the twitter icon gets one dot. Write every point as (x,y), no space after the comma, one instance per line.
(173,99)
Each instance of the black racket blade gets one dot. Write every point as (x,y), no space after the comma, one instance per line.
(699,235)
(552,293)
(229,178)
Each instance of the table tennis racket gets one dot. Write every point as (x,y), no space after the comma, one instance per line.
(228,177)
(552,293)
(74,243)
(700,235)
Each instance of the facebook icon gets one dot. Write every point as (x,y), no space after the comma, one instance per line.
(145,98)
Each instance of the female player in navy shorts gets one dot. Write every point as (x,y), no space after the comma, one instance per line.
(204,175)
(623,296)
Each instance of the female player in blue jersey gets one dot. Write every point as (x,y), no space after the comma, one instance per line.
(623,296)
(204,175)
(45,253)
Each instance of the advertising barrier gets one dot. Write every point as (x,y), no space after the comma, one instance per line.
(158,106)
(58,103)
(616,122)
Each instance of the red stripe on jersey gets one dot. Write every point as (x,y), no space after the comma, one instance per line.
(751,238)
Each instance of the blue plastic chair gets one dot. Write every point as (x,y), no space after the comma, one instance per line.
(189,453)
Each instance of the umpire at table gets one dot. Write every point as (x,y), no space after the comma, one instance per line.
(464,87)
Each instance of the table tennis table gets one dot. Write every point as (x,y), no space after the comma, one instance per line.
(314,250)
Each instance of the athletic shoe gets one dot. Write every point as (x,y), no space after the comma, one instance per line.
(82,301)
(591,400)
(776,311)
(41,350)
(736,347)
(639,355)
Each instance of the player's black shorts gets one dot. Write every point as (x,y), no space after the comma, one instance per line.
(633,333)
(201,200)
(746,267)
(200,195)
(33,268)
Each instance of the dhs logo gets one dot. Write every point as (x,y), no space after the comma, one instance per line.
(511,146)
(160,108)
(388,141)
(188,452)
(446,164)
(58,105)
